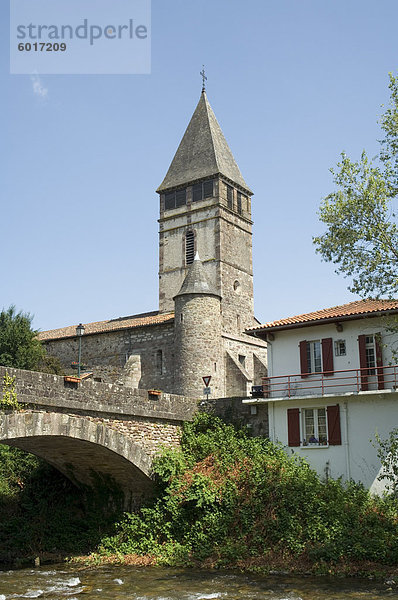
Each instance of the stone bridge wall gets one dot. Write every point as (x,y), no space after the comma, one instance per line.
(95,431)
(113,402)
(150,423)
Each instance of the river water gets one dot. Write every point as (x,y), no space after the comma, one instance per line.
(151,583)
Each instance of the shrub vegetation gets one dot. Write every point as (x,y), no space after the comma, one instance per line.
(227,499)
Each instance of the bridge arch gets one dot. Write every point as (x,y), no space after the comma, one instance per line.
(89,452)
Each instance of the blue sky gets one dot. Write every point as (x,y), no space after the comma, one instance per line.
(292,83)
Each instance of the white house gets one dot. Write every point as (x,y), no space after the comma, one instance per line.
(332,384)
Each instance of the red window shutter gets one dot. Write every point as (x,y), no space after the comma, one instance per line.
(303,359)
(293,426)
(327,356)
(334,430)
(379,361)
(362,362)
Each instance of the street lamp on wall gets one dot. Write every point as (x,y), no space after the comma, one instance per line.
(79,332)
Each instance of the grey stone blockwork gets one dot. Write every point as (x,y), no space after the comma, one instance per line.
(107,356)
(97,432)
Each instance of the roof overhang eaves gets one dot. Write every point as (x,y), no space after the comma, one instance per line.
(183,184)
(337,319)
(169,188)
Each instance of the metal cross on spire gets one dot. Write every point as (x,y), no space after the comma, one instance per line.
(204,78)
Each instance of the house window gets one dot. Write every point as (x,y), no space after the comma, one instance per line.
(175,199)
(189,247)
(202,190)
(314,358)
(339,348)
(370,354)
(230,197)
(371,360)
(318,426)
(314,426)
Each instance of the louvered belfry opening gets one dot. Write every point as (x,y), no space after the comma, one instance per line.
(189,247)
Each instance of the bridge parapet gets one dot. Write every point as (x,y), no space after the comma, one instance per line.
(43,389)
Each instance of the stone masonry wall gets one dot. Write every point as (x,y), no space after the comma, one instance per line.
(251,355)
(236,273)
(198,344)
(231,410)
(106,354)
(112,400)
(201,217)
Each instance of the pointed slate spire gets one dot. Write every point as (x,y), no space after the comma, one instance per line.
(196,281)
(203,152)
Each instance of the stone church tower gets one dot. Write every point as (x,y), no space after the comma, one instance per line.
(205,207)
(198,342)
(206,303)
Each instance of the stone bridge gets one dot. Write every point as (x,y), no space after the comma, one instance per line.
(94,433)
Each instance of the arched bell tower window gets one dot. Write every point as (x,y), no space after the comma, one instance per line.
(189,247)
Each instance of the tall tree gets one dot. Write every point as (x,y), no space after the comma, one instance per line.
(19,346)
(362,234)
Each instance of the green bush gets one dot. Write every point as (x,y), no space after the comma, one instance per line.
(229,497)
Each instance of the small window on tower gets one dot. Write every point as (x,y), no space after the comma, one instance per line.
(189,247)
(181,196)
(197,192)
(230,197)
(159,362)
(175,199)
(169,201)
(208,189)
(202,190)
(239,202)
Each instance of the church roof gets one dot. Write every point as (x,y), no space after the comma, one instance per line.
(196,281)
(141,320)
(203,152)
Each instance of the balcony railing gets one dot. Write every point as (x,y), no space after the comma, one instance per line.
(326,382)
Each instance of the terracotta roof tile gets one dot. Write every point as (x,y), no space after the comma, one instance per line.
(352,309)
(141,320)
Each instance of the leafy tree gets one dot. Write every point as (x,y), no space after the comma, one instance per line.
(362,233)
(19,346)
(387,451)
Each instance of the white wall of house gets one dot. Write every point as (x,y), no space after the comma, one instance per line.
(363,410)
(284,358)
(283,351)
(361,416)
